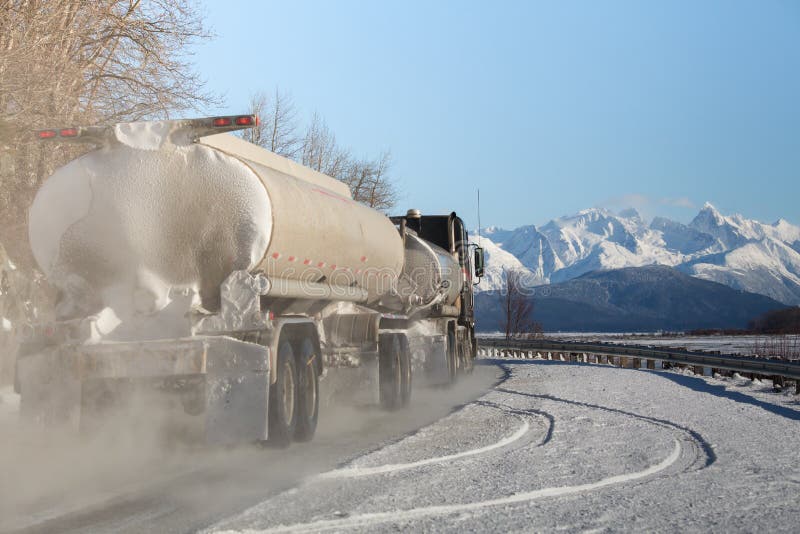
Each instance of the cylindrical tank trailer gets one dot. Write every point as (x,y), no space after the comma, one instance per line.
(148,212)
(280,255)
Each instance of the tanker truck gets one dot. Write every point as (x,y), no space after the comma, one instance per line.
(233,281)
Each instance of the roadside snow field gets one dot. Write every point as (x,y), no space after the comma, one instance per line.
(559,446)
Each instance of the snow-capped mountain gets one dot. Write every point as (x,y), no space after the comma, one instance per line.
(736,251)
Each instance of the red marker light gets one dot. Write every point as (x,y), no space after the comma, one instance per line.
(246,120)
(222,121)
(47,134)
(68,132)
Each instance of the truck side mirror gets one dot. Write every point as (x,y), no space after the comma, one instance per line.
(479,262)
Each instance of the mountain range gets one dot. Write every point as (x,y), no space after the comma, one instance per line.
(632,299)
(741,253)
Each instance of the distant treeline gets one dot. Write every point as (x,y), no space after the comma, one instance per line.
(783,321)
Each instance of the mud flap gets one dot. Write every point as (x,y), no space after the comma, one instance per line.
(436,369)
(237,392)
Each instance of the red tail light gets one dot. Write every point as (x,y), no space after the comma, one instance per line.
(68,132)
(46,134)
(247,120)
(222,121)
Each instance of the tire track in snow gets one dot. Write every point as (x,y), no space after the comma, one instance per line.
(369,519)
(690,448)
(701,443)
(354,472)
(697,444)
(551,421)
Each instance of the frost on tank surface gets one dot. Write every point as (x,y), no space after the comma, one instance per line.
(147,212)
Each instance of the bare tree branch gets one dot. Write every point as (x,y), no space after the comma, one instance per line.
(277,128)
(74,62)
(518,306)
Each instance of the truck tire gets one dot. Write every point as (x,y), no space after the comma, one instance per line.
(468,359)
(389,371)
(473,350)
(460,358)
(308,394)
(283,398)
(406,372)
(452,356)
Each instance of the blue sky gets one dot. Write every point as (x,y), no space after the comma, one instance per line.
(547,107)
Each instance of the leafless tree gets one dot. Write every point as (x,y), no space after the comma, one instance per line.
(517,319)
(108,60)
(277,128)
(321,152)
(79,62)
(368,179)
(369,182)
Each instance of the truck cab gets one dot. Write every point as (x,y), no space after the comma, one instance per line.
(449,233)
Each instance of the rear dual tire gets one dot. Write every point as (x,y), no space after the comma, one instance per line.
(452,357)
(308,398)
(394,371)
(294,398)
(283,398)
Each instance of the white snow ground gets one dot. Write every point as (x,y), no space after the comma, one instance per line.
(560,446)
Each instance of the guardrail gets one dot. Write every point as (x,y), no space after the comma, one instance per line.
(777,370)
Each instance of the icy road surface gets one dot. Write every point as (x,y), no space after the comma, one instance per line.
(573,447)
(129,480)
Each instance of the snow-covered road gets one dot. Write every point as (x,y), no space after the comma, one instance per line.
(132,480)
(559,446)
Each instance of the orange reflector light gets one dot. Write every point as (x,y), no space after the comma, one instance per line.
(69,132)
(222,121)
(47,134)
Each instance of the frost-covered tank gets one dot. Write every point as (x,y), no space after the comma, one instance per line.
(153,209)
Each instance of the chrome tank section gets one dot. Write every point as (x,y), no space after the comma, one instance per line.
(431,275)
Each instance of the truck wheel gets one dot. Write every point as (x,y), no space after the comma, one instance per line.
(460,358)
(468,359)
(389,371)
(405,371)
(283,399)
(308,398)
(473,350)
(452,356)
